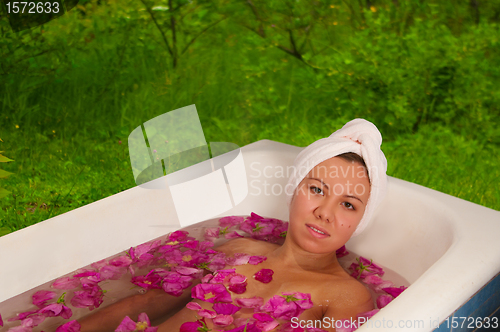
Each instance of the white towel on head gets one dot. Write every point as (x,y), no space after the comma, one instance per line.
(359,136)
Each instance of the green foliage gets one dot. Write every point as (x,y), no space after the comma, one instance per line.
(425,72)
(4,192)
(4,174)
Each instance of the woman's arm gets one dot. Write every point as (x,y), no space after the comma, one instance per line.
(155,303)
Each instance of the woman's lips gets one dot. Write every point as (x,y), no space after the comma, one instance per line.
(315,233)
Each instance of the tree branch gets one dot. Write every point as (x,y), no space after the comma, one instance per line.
(158,26)
(254,10)
(202,32)
(174,39)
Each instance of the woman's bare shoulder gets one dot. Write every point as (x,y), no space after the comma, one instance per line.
(345,295)
(245,245)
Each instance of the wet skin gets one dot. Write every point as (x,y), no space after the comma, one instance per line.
(326,201)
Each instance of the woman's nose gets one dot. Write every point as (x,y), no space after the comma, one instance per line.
(324,213)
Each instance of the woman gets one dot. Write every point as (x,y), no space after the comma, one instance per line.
(337,184)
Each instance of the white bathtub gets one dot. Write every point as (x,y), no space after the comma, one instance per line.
(445,247)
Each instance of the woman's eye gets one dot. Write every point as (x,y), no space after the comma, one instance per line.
(349,205)
(317,190)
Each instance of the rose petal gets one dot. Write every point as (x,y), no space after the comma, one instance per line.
(394,291)
(342,251)
(231,221)
(253,302)
(264,275)
(207,313)
(190,326)
(223,320)
(71,326)
(126,325)
(66,283)
(211,293)
(238,288)
(225,308)
(194,306)
(383,300)
(40,297)
(254,260)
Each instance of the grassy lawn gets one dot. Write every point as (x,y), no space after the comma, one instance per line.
(67,132)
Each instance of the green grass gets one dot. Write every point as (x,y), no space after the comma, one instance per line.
(439,123)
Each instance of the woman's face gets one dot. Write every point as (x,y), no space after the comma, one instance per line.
(328,205)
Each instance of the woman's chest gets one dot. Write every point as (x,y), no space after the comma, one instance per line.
(271,284)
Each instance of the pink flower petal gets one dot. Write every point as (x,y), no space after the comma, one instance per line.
(40,297)
(263,317)
(191,244)
(190,326)
(127,325)
(211,293)
(383,300)
(99,264)
(22,315)
(230,221)
(225,308)
(253,302)
(238,259)
(178,236)
(376,283)
(174,289)
(189,271)
(211,233)
(33,320)
(20,329)
(207,313)
(121,261)
(207,278)
(235,278)
(342,251)
(204,245)
(264,275)
(246,327)
(193,306)
(85,273)
(288,305)
(232,235)
(270,326)
(66,283)
(143,318)
(238,288)
(56,309)
(254,260)
(111,272)
(394,291)
(71,326)
(223,320)
(221,275)
(365,267)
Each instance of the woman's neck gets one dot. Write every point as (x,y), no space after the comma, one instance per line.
(294,257)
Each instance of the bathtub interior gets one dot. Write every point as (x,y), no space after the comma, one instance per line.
(408,238)
(418,233)
(122,288)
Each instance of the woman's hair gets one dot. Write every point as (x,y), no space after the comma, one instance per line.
(354,157)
